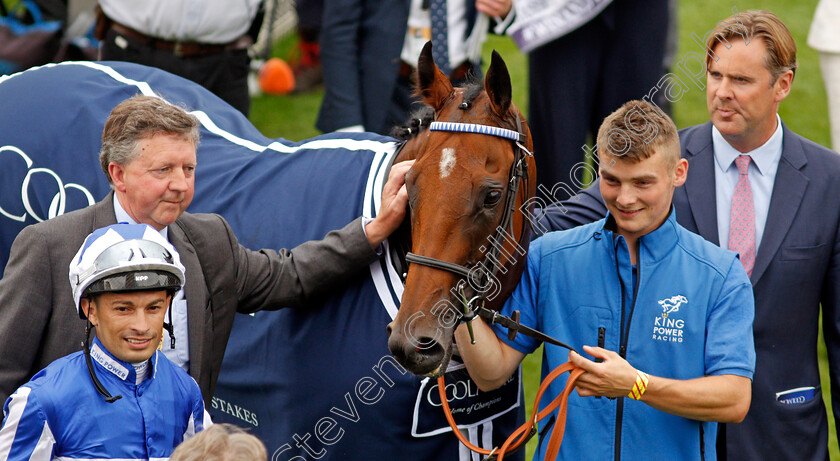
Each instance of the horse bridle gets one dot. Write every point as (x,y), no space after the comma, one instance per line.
(518,176)
(474,306)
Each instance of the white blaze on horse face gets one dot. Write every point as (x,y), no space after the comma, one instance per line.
(447,161)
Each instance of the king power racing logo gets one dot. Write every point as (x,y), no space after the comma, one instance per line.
(666,327)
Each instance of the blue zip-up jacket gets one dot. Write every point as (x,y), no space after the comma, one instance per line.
(687,313)
(60,415)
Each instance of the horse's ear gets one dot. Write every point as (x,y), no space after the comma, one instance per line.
(432,84)
(497,85)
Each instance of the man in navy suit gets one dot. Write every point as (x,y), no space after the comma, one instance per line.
(368,52)
(795,194)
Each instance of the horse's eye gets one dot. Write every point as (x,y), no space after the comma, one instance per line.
(492,198)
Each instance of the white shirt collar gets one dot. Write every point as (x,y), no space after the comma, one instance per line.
(123,216)
(765,157)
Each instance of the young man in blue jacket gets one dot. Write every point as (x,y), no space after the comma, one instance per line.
(120,398)
(664,316)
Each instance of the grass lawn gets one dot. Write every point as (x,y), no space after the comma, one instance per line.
(804,111)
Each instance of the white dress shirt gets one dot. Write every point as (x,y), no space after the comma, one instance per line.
(762,174)
(202,21)
(419,29)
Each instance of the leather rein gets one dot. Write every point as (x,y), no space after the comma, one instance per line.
(474,306)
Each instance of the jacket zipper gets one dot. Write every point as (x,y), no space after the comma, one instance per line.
(625,332)
(602,335)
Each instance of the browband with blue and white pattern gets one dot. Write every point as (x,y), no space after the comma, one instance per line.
(474,128)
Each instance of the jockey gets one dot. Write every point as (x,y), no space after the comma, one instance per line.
(120,398)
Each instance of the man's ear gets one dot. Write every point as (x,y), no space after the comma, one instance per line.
(88,309)
(117,173)
(680,172)
(781,88)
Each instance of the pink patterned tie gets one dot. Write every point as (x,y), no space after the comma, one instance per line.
(742,216)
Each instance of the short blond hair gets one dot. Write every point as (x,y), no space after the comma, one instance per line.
(758,24)
(637,130)
(221,442)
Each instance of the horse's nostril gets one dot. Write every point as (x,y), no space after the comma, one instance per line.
(388,329)
(421,355)
(424,344)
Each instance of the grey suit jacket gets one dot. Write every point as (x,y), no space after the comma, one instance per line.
(38,321)
(797,270)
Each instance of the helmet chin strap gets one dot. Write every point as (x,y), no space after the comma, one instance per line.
(96,383)
(169,326)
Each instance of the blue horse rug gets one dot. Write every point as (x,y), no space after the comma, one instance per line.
(312,383)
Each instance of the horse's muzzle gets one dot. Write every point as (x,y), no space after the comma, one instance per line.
(423,356)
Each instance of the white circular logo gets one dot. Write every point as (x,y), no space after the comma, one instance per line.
(58,202)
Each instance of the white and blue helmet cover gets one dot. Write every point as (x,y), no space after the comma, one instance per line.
(119,249)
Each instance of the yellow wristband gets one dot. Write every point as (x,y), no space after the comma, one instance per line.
(640,386)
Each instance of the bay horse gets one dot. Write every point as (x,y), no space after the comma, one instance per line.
(471,199)
(469,196)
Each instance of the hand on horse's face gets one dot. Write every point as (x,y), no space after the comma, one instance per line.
(394,204)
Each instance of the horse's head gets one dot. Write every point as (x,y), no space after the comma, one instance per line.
(466,193)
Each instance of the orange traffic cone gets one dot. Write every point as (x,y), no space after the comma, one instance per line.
(276,77)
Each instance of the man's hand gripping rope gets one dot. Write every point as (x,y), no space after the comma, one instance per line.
(524,433)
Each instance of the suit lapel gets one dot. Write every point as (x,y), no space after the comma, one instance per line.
(700,183)
(194,295)
(103,212)
(788,191)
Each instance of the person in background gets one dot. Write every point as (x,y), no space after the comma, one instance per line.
(369,49)
(577,79)
(221,442)
(206,42)
(757,187)
(307,68)
(824,37)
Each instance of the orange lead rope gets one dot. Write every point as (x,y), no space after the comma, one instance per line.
(523,432)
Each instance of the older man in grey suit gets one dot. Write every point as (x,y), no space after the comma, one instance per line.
(149,156)
(788,195)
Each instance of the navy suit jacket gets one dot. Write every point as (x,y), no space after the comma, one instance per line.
(797,269)
(361,42)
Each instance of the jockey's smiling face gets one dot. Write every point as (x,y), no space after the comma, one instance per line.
(158,185)
(129,325)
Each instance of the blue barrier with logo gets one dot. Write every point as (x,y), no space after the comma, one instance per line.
(313,383)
